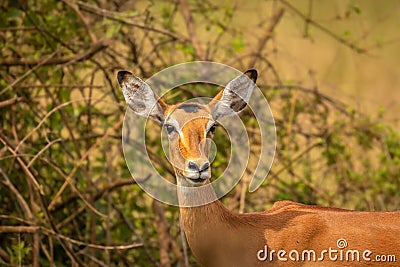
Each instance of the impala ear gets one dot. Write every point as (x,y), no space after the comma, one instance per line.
(235,96)
(140,97)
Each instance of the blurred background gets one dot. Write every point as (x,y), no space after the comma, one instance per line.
(328,68)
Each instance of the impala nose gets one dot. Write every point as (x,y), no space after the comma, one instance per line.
(200,165)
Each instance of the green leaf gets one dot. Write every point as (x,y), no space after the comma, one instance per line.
(238,43)
(112,30)
(356,9)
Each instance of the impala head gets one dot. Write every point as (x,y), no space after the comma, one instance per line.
(189,126)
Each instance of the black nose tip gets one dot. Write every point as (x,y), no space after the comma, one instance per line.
(195,167)
(205,167)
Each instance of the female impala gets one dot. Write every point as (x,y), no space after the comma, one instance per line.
(290,234)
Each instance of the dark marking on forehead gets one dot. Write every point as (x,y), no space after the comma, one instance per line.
(190,108)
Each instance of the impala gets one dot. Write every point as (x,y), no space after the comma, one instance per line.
(289,234)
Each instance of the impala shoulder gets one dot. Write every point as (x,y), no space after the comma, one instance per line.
(286,205)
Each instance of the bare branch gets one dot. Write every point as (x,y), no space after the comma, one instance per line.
(68,179)
(191,29)
(75,7)
(19,229)
(10,102)
(325,30)
(24,205)
(51,60)
(163,235)
(268,34)
(13,151)
(111,15)
(35,229)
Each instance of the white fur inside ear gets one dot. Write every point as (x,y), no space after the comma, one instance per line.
(234,98)
(138,95)
(141,99)
(242,86)
(222,110)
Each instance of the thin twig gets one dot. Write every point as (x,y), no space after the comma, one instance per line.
(111,187)
(24,205)
(42,150)
(268,34)
(38,64)
(35,229)
(30,175)
(78,86)
(75,8)
(337,103)
(162,232)
(51,60)
(77,165)
(325,30)
(190,26)
(110,15)
(132,228)
(10,101)
(17,28)
(294,159)
(95,246)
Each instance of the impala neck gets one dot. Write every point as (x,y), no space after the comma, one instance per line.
(197,217)
(204,225)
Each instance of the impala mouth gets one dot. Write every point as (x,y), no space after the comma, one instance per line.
(196,181)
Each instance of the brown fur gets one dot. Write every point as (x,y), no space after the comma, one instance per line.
(219,237)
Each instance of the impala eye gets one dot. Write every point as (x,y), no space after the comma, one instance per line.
(170,128)
(212,129)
